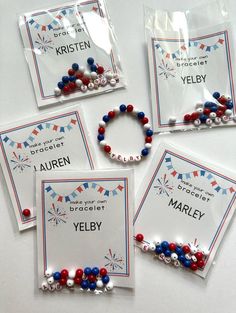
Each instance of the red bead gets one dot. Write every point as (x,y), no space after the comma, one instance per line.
(206,111)
(144,120)
(219,113)
(139,237)
(66,89)
(186,249)
(79,273)
(71,72)
(62,281)
(100,70)
(111,114)
(85,81)
(26,212)
(187,117)
(223,108)
(172,246)
(72,85)
(92,278)
(130,108)
(64,273)
(79,76)
(200,263)
(77,280)
(107,148)
(148,139)
(222,100)
(193,266)
(194,116)
(101,130)
(103,271)
(199,255)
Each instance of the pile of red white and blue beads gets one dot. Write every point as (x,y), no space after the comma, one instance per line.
(79,78)
(176,253)
(209,113)
(90,279)
(148,133)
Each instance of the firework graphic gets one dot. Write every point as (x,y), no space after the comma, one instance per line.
(166,70)
(57,216)
(43,44)
(20,162)
(164,187)
(114,262)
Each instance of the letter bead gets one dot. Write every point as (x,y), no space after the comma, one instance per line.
(197,122)
(44,286)
(209,122)
(225,119)
(217,120)
(83,88)
(112,82)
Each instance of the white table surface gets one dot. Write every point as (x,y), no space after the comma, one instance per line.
(159,288)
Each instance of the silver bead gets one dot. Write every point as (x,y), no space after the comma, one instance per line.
(78,82)
(228,112)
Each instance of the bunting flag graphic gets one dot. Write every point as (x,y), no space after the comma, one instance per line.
(36,131)
(191,43)
(75,193)
(198,173)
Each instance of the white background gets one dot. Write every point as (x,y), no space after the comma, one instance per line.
(159,288)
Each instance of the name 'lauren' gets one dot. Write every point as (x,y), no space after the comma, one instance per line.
(186,209)
(73,47)
(51,165)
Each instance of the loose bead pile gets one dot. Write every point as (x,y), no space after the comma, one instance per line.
(212,112)
(176,253)
(143,120)
(86,279)
(79,78)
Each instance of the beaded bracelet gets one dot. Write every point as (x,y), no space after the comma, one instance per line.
(147,130)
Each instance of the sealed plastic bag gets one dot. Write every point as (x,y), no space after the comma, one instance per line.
(191,68)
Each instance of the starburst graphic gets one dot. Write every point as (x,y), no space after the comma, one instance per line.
(20,162)
(43,44)
(56,215)
(166,70)
(164,187)
(114,261)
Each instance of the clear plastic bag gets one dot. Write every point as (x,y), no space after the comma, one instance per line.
(69,34)
(191,67)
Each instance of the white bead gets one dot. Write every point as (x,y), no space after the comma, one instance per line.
(91,86)
(147,126)
(112,156)
(70,283)
(71,274)
(209,122)
(199,110)
(138,158)
(234,118)
(78,82)
(87,74)
(228,112)
(51,288)
(96,82)
(131,159)
(144,247)
(81,69)
(112,82)
(102,124)
(157,241)
(135,111)
(99,283)
(109,76)
(125,160)
(83,88)
(199,105)
(103,82)
(110,286)
(116,110)
(179,242)
(48,273)
(152,247)
(148,145)
(188,256)
(50,280)
(44,286)
(174,256)
(172,119)
(57,91)
(197,122)
(217,120)
(194,259)
(225,119)
(212,115)
(103,143)
(94,75)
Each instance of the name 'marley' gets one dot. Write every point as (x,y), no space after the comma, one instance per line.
(186,209)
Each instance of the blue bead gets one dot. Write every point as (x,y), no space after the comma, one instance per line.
(141,115)
(85,284)
(230,104)
(165,245)
(122,108)
(92,286)
(93,68)
(72,78)
(75,66)
(203,118)
(167,252)
(105,279)
(100,137)
(144,152)
(181,258)
(95,271)
(158,249)
(209,104)
(106,118)
(65,79)
(187,263)
(61,85)
(149,133)
(90,61)
(57,275)
(178,250)
(216,95)
(87,271)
